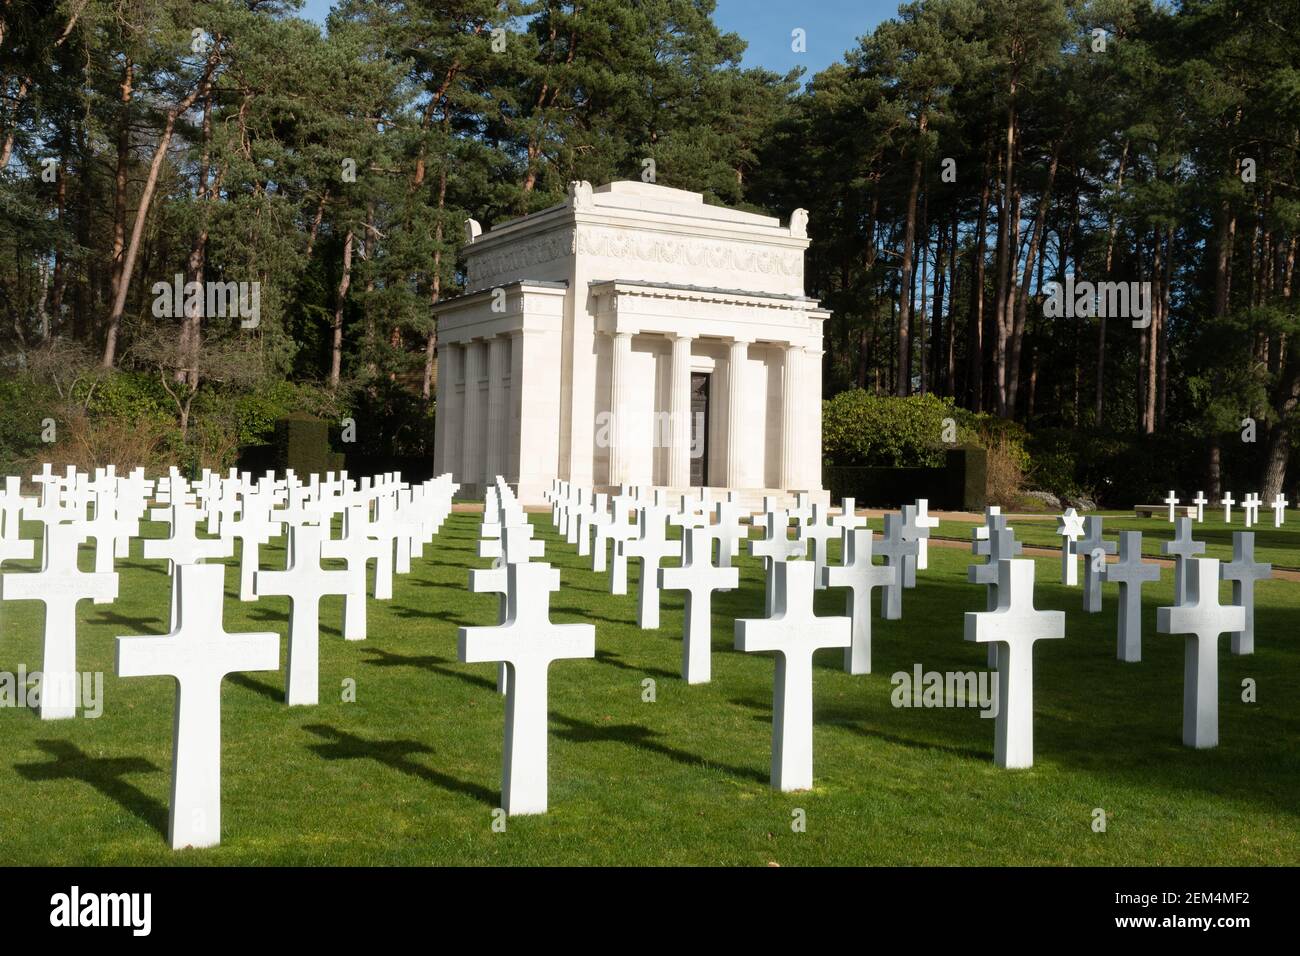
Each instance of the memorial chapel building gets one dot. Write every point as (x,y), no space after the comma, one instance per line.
(633,335)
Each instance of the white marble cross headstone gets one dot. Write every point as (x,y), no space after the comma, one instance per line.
(982,532)
(801,513)
(1016,624)
(1000,546)
(1279,510)
(304,582)
(699,579)
(849,517)
(1251,504)
(579,506)
(356,549)
(926,522)
(1070,527)
(1202,619)
(60,585)
(1243,571)
(818,530)
(183,545)
(199,653)
(1200,501)
(622,526)
(795,634)
(591,518)
(774,549)
(651,547)
(515,546)
(1094,549)
(1172,502)
(858,575)
(1227,503)
(104,529)
(1131,572)
(13,547)
(528,642)
(912,530)
(727,531)
(254,527)
(897,552)
(1182,547)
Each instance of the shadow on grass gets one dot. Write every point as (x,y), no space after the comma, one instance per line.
(143,626)
(613,660)
(414,613)
(587,614)
(643,738)
(248,683)
(395,754)
(438,665)
(70,762)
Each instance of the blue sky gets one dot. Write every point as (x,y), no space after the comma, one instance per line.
(831,27)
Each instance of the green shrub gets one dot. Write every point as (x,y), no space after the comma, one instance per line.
(861,429)
(24,406)
(127,397)
(303,444)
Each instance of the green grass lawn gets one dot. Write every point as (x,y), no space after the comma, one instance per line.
(410,772)
(1277,546)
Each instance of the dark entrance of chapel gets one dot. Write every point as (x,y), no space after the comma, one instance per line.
(700,391)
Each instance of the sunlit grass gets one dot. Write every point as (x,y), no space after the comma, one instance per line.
(410,773)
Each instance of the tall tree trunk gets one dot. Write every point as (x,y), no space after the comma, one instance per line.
(1165,286)
(1223,258)
(937,337)
(1008,210)
(922,314)
(120,182)
(11,131)
(950,348)
(1278,451)
(1022,297)
(975,326)
(146,198)
(430,383)
(1100,403)
(336,345)
(60,279)
(1153,337)
(196,264)
(905,272)
(314,229)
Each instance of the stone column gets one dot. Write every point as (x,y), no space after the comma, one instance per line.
(735,405)
(441,406)
(618,405)
(494,451)
(792,437)
(810,388)
(451,417)
(679,413)
(472,435)
(514,408)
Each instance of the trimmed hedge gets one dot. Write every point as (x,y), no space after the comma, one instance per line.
(959,485)
(302,443)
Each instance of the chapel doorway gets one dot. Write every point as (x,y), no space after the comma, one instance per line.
(700,392)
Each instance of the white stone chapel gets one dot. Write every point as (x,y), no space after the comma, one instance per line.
(633,335)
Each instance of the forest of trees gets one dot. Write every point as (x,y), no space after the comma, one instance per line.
(959,158)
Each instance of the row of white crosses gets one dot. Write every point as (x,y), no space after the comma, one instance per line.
(1196,613)
(636,526)
(1131,572)
(395,521)
(523,641)
(1250,506)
